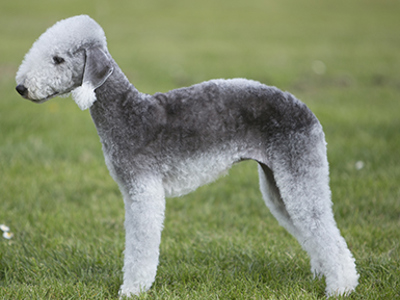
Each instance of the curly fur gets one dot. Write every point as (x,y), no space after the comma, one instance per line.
(168,144)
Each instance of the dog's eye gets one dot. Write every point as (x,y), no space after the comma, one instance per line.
(58,60)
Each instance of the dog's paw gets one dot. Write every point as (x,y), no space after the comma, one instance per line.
(343,287)
(125,291)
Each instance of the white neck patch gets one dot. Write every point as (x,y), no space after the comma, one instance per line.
(84,96)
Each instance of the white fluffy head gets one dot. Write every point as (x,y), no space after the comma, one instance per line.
(55,64)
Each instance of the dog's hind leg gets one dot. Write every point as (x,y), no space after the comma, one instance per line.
(296,189)
(273,200)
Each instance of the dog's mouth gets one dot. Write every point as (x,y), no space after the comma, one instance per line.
(38,101)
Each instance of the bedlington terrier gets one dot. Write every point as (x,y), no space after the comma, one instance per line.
(168,144)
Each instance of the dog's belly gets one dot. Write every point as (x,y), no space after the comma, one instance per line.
(181,176)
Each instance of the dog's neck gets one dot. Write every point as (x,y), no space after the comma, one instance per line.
(115,94)
(115,87)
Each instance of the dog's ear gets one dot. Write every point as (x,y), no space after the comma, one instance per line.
(98,67)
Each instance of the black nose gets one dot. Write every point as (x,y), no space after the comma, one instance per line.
(21,89)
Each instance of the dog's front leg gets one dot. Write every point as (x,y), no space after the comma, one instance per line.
(144,215)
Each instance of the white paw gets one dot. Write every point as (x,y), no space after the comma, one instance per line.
(130,291)
(346,286)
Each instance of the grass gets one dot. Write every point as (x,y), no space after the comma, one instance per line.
(220,242)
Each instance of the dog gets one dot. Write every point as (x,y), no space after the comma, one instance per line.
(168,144)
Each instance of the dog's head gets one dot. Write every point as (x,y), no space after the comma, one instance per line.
(71,56)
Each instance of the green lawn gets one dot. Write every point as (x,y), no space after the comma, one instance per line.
(342,58)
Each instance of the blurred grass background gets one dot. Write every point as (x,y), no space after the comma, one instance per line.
(342,58)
